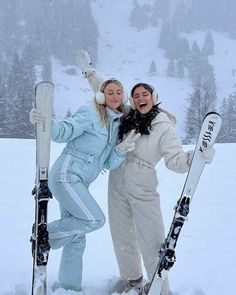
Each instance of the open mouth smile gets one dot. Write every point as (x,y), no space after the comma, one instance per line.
(142,105)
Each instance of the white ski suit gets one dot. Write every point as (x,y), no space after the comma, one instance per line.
(135,216)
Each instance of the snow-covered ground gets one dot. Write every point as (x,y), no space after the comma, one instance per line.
(205,252)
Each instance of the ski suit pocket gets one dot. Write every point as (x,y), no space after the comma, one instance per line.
(63,171)
(146,179)
(140,180)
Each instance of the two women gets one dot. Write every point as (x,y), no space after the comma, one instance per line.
(91,146)
(135,216)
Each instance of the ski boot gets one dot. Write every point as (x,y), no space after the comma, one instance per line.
(134,285)
(144,290)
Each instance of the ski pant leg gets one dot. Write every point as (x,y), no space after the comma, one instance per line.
(123,233)
(80,214)
(84,213)
(150,232)
(71,264)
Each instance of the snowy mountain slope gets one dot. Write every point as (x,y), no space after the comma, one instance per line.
(125,53)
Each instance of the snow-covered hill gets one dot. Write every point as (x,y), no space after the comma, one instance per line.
(125,53)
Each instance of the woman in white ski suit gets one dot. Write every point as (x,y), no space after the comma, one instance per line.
(91,147)
(133,201)
(135,216)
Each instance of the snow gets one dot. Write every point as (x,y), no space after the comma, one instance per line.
(126,54)
(205,251)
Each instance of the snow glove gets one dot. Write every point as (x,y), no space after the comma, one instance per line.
(83,59)
(128,144)
(93,78)
(35,116)
(84,63)
(207,155)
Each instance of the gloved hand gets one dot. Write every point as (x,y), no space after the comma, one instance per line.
(208,154)
(88,72)
(128,144)
(83,59)
(35,116)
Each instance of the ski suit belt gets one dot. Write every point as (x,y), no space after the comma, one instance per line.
(89,158)
(132,157)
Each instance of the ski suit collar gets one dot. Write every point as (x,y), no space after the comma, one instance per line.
(113,114)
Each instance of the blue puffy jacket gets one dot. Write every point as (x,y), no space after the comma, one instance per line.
(90,146)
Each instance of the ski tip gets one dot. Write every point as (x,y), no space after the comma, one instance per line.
(212,113)
(44,83)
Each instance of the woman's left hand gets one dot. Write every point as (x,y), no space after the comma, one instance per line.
(128,144)
(208,155)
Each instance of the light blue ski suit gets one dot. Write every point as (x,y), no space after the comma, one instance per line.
(89,150)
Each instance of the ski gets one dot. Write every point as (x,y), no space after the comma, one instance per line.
(208,133)
(41,192)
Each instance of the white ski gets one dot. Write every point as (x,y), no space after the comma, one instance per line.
(209,131)
(41,192)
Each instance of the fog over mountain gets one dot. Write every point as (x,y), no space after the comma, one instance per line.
(180,47)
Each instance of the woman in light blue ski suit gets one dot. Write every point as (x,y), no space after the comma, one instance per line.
(91,137)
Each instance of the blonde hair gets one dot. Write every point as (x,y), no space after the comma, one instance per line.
(101,108)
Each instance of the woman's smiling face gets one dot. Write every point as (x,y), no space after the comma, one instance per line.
(142,100)
(113,95)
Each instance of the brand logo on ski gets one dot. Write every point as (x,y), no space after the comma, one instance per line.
(207,136)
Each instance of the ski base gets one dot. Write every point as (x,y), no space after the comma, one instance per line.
(41,191)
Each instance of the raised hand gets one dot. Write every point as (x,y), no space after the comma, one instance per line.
(128,144)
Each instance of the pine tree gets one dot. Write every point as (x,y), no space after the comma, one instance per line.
(164,35)
(224,130)
(200,102)
(10,27)
(47,68)
(13,106)
(232,119)
(178,19)
(180,69)
(228,114)
(194,63)
(152,69)
(139,16)
(25,95)
(20,90)
(171,68)
(208,46)
(161,8)
(183,51)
